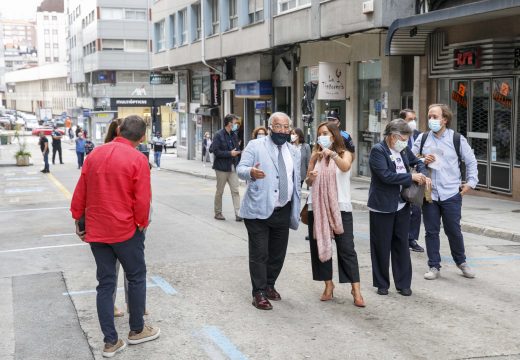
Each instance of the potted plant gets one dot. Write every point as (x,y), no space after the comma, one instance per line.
(22,155)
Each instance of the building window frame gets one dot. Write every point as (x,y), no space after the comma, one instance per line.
(288,5)
(183,26)
(215,16)
(255,11)
(160,35)
(233,14)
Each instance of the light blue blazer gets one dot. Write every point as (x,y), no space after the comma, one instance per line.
(260,196)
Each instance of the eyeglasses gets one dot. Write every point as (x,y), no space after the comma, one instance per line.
(280,127)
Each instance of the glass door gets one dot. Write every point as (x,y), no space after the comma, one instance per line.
(501,134)
(478,136)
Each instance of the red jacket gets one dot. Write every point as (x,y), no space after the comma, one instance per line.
(113,192)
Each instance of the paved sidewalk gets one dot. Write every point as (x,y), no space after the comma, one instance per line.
(481,215)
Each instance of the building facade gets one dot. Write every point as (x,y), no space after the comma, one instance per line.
(476,70)
(109,63)
(263,54)
(51,32)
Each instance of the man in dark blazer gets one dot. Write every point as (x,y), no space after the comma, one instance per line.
(409,116)
(225,147)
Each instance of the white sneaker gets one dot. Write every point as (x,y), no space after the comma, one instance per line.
(158,169)
(466,270)
(433,274)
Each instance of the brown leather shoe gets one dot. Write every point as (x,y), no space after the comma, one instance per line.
(272,294)
(260,302)
(219,216)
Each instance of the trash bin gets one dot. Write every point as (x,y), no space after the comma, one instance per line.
(4,139)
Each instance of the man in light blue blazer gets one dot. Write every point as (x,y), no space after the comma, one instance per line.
(271,205)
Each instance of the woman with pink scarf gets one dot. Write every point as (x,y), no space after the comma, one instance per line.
(330,213)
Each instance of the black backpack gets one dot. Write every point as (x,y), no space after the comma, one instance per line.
(456,144)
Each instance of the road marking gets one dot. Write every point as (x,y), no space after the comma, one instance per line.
(60,186)
(41,248)
(57,235)
(84,292)
(219,339)
(164,285)
(23,190)
(38,209)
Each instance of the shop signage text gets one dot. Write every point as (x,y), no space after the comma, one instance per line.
(253,89)
(467,58)
(215,89)
(459,95)
(161,79)
(132,102)
(331,84)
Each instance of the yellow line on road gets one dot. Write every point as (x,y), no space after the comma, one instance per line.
(60,186)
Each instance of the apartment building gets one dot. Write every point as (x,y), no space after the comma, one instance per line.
(253,57)
(51,32)
(109,64)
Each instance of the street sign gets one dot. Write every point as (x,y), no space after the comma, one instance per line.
(215,89)
(161,79)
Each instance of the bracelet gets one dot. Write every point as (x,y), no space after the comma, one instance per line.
(334,155)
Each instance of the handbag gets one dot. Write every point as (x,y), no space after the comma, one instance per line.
(304,214)
(414,194)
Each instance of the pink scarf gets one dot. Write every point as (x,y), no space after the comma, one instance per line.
(325,207)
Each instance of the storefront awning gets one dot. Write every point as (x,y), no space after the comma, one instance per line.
(408,36)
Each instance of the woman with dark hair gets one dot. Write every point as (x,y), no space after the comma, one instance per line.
(330,213)
(259,132)
(390,163)
(112,129)
(298,140)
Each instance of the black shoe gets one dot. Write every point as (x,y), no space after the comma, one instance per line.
(382,291)
(307,238)
(238,218)
(62,163)
(415,247)
(405,292)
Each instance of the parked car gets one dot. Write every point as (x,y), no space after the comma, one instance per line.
(171,142)
(31,124)
(46,130)
(5,122)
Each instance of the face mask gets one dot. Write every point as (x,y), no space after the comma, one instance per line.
(434,124)
(294,137)
(324,141)
(280,138)
(234,127)
(400,145)
(413,125)
(259,136)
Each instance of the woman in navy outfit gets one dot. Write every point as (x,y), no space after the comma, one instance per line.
(390,163)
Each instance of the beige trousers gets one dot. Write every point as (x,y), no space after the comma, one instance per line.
(231,178)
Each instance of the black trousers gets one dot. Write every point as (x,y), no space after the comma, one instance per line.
(268,240)
(389,235)
(56,148)
(348,267)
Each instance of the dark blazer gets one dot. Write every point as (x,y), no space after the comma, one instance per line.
(412,139)
(222,150)
(385,184)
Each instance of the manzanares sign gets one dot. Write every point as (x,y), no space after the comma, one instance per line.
(332,81)
(161,79)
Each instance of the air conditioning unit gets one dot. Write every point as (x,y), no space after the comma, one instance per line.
(368,7)
(204,100)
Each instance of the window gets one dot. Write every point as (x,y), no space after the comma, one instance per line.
(135,14)
(112,44)
(47,45)
(183,22)
(56,59)
(141,76)
(111,14)
(46,18)
(160,36)
(54,32)
(55,46)
(47,59)
(136,45)
(233,18)
(172,30)
(286,5)
(46,31)
(255,10)
(54,18)
(125,76)
(197,21)
(215,19)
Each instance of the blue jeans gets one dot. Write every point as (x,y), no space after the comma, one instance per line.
(81,157)
(157,158)
(46,160)
(131,255)
(415,223)
(450,212)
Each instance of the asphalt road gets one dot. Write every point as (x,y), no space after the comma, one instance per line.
(199,287)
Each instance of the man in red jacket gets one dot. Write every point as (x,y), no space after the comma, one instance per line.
(113,195)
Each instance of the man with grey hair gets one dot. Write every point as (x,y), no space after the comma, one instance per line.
(271,205)
(111,206)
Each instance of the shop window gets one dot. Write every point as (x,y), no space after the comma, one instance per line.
(459,106)
(517,147)
(502,120)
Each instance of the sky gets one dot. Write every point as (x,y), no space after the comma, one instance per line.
(19,9)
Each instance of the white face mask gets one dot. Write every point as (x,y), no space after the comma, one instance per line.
(259,136)
(324,141)
(434,124)
(400,145)
(294,137)
(413,125)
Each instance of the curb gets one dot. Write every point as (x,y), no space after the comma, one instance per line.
(361,205)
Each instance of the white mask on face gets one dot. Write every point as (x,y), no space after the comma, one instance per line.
(294,137)
(324,141)
(413,125)
(259,136)
(400,145)
(434,124)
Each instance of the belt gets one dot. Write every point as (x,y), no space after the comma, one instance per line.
(281,207)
